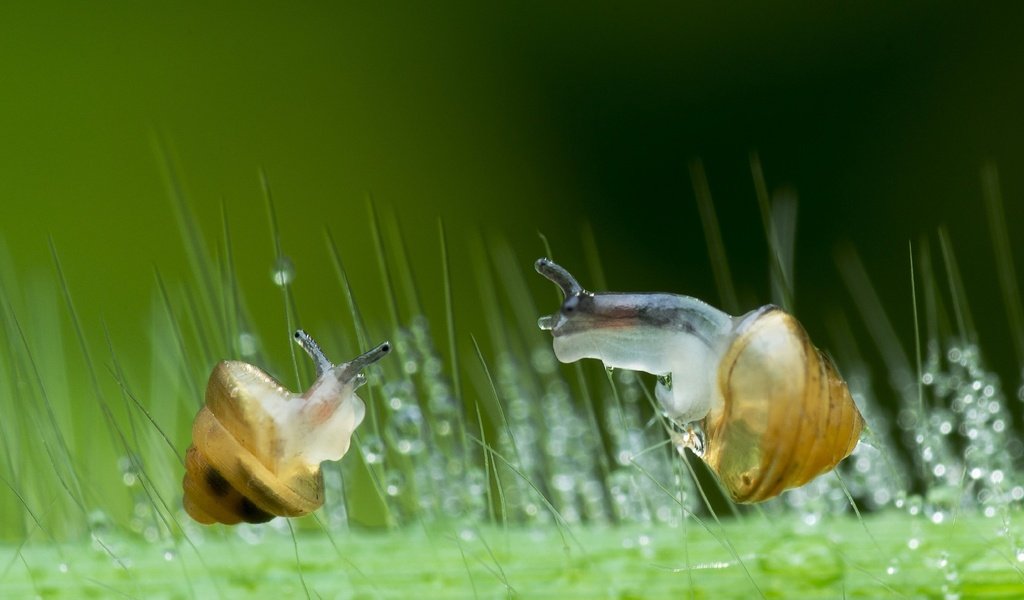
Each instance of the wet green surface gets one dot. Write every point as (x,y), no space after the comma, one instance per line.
(902,557)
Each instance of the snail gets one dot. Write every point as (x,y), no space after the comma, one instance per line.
(773,408)
(257,447)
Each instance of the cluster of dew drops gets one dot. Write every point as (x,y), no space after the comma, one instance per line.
(549,453)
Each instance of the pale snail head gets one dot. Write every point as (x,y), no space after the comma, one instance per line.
(257,447)
(774,410)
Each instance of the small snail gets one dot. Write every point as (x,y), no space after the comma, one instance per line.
(774,410)
(257,447)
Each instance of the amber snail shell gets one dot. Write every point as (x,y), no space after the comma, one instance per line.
(774,410)
(257,447)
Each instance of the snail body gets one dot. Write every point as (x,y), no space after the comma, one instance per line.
(774,410)
(257,447)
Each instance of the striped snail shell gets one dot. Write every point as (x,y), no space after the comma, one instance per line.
(774,410)
(257,447)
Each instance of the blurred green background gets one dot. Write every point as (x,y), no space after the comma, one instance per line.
(504,121)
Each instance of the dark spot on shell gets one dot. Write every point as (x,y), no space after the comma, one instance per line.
(251,513)
(216,482)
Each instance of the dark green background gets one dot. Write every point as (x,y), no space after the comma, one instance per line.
(505,121)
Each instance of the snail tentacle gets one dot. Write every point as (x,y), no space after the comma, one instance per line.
(351,370)
(559,276)
(307,343)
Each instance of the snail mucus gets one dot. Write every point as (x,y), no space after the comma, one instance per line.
(257,447)
(774,411)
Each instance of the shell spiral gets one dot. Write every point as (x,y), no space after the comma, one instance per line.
(784,415)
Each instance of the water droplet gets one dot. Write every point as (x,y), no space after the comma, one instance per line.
(913,543)
(373,449)
(63,567)
(168,555)
(393,483)
(283,272)
(247,344)
(407,426)
(563,482)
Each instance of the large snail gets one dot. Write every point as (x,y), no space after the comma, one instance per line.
(257,447)
(774,410)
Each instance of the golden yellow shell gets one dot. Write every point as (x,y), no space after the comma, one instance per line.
(785,415)
(234,470)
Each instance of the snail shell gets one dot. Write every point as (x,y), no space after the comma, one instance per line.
(774,409)
(257,447)
(786,416)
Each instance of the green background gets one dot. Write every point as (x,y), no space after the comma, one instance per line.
(504,121)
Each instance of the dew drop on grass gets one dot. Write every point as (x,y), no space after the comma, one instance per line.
(563,482)
(63,567)
(373,449)
(394,482)
(248,344)
(283,272)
